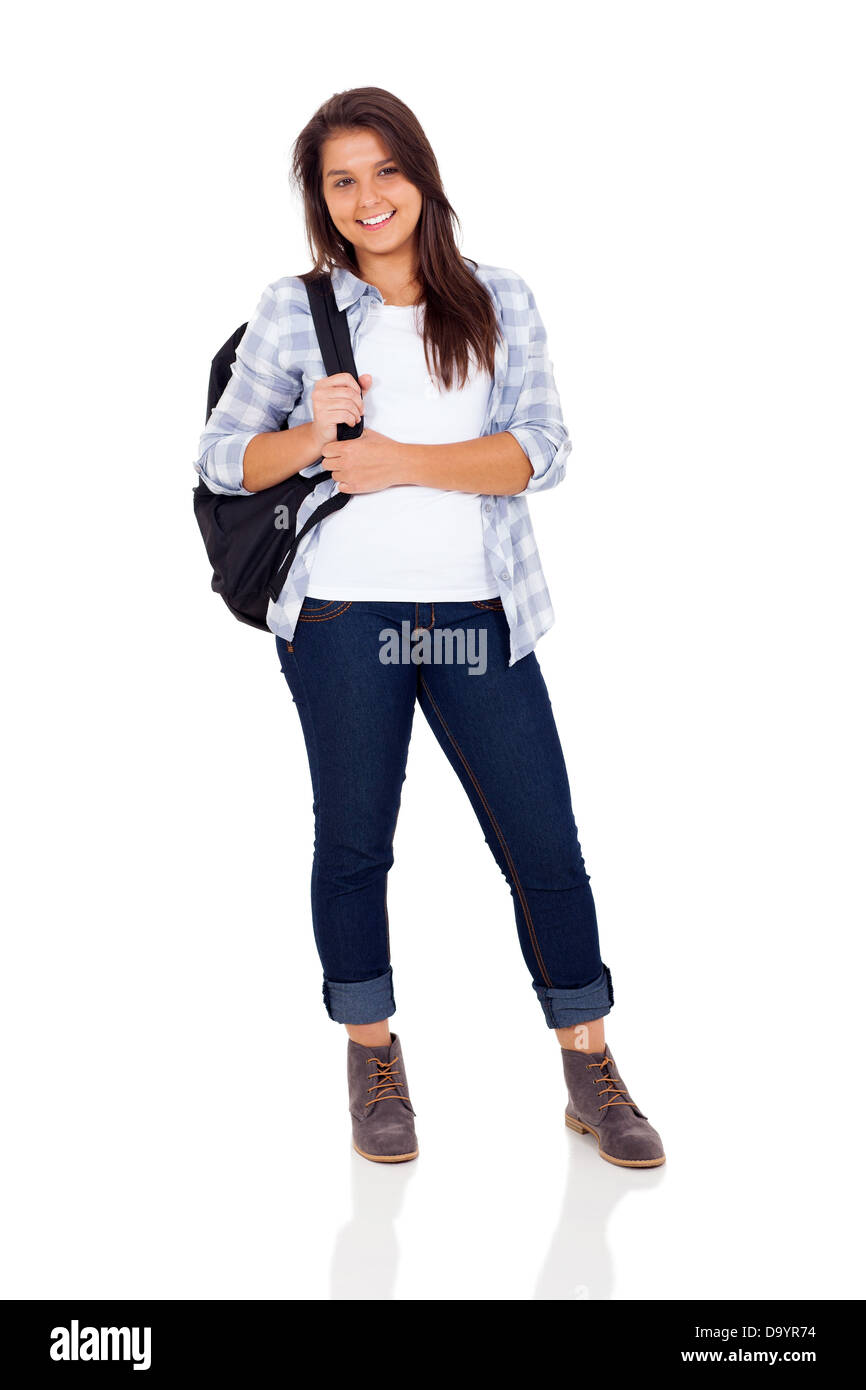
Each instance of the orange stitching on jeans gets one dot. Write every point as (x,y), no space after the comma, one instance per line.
(500,837)
(309,619)
(427,626)
(393,834)
(289,647)
(493,605)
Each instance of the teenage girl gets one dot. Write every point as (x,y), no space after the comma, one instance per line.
(427,586)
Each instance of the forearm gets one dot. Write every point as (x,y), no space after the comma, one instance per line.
(494,464)
(271,457)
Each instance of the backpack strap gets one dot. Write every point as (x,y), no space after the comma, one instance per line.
(332,331)
(335,343)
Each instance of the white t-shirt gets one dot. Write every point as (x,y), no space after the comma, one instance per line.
(408,543)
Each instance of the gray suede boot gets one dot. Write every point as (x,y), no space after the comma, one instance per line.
(383,1121)
(599,1104)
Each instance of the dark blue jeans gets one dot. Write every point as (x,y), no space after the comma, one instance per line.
(355,671)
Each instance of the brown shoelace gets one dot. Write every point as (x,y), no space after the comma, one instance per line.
(611,1089)
(385,1079)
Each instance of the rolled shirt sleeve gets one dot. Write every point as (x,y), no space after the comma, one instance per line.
(537,422)
(261,394)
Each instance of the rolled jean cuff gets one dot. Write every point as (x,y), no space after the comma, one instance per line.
(565,1007)
(360,1001)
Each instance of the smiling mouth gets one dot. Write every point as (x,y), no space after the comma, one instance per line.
(372,224)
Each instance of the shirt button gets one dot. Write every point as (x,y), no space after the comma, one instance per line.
(504,575)
(488,507)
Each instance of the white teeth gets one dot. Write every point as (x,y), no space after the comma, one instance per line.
(374,221)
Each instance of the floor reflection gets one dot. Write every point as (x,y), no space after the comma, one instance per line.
(579,1263)
(366,1253)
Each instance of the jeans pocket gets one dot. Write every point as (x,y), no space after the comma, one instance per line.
(317,611)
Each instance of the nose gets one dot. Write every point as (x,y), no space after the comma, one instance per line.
(369,195)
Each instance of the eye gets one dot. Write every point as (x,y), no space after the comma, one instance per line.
(389,169)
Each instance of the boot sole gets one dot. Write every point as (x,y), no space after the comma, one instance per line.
(580,1128)
(385,1158)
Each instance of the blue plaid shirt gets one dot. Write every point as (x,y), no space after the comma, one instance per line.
(277,364)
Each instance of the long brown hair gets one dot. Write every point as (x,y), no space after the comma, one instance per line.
(459,313)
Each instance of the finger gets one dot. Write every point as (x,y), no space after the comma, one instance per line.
(337,417)
(327,395)
(340,417)
(339,393)
(340,379)
(343,415)
(342,400)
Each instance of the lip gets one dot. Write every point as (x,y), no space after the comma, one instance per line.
(379,225)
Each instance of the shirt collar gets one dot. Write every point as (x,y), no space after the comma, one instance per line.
(348,288)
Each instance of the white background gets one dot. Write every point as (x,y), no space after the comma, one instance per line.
(681,184)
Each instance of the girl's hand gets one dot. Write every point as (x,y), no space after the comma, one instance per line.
(367,464)
(337,400)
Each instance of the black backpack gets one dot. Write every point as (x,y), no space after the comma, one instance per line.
(249,542)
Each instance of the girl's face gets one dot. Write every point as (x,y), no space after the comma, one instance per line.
(372,205)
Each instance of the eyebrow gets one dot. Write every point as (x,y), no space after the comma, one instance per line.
(330,172)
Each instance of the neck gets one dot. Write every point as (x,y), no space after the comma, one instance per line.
(394,275)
